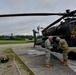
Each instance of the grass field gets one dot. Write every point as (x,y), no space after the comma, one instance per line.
(23,68)
(13,42)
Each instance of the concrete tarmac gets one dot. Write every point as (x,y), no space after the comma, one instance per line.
(34,58)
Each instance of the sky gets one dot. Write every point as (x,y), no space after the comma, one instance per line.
(25,24)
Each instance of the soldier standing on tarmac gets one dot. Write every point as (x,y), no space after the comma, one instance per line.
(48,47)
(62,44)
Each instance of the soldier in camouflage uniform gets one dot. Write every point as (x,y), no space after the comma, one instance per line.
(64,47)
(47,51)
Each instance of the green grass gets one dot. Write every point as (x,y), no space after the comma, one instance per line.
(23,65)
(13,42)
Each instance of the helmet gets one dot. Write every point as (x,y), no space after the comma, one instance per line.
(57,39)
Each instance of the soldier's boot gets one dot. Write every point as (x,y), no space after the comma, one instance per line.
(65,63)
(49,65)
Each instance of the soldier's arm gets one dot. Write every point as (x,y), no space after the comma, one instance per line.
(48,45)
(60,44)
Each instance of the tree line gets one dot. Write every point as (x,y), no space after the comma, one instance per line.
(18,37)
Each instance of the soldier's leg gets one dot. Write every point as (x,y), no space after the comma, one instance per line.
(65,53)
(48,55)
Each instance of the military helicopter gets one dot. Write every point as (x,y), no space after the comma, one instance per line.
(66,29)
(63,30)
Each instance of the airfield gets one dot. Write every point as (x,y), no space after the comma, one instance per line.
(34,58)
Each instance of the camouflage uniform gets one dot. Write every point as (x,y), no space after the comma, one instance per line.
(64,46)
(47,50)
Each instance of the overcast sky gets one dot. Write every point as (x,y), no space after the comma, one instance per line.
(24,25)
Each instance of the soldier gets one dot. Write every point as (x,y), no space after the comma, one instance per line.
(62,44)
(48,47)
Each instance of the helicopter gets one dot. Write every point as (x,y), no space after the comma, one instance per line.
(65,29)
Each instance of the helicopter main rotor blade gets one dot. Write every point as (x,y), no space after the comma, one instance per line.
(39,14)
(31,14)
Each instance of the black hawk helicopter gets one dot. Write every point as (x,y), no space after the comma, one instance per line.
(66,29)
